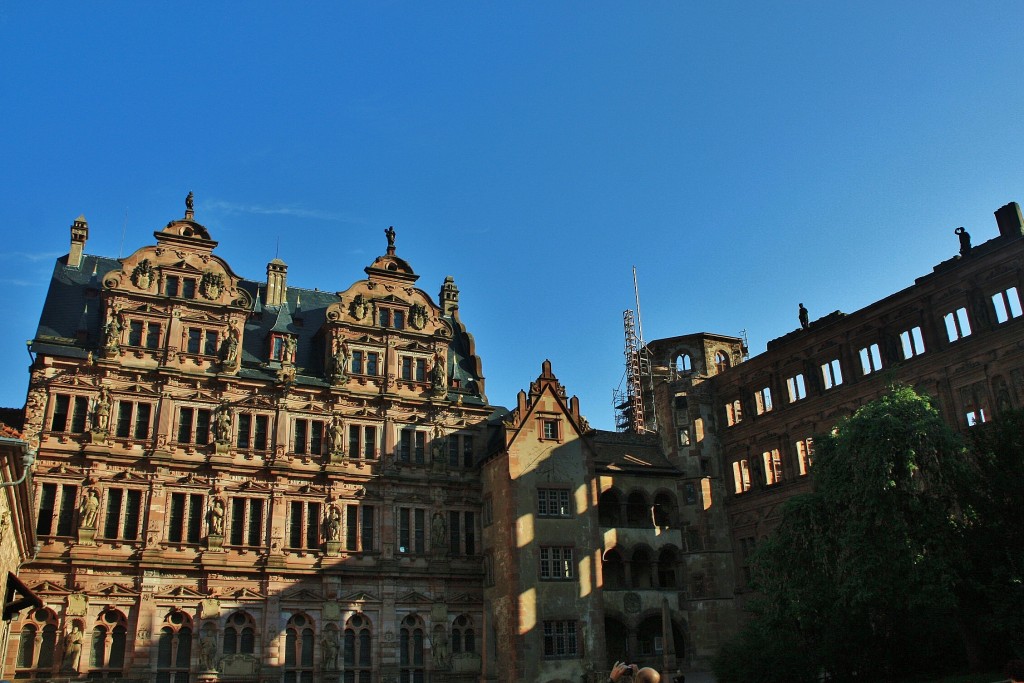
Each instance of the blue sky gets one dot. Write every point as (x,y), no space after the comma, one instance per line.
(743,156)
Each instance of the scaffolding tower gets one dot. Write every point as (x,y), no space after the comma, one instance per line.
(630,408)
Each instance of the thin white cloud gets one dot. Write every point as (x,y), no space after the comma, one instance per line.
(287,210)
(21,283)
(29,256)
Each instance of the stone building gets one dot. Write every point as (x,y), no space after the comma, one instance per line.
(242,480)
(239,479)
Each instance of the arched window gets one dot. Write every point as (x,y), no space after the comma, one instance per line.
(721,361)
(411,650)
(358,650)
(174,648)
(107,649)
(638,511)
(614,570)
(667,568)
(240,635)
(609,509)
(463,635)
(641,569)
(682,364)
(298,650)
(664,510)
(38,644)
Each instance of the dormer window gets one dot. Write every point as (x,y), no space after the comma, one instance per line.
(390,317)
(282,348)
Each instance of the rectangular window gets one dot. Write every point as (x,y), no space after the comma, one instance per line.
(741,476)
(733,412)
(976,416)
(412,530)
(1006,304)
(133,420)
(359,528)
(195,336)
(188,288)
(560,639)
(172,285)
(420,371)
(469,533)
(123,514)
(911,342)
(804,455)
(194,426)
(399,318)
(412,446)
(186,521)
(74,407)
(488,512)
(308,437)
(406,368)
(550,430)
(690,493)
(831,374)
(210,347)
(454,532)
(958,325)
(556,563)
(135,328)
(247,522)
(772,466)
(763,400)
(252,431)
(553,503)
(371,362)
(357,362)
(304,525)
(796,387)
(153,336)
(870,359)
(57,507)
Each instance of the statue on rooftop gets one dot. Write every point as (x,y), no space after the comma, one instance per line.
(190,202)
(804,319)
(965,240)
(390,234)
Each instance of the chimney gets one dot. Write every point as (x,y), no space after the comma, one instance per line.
(277,282)
(1009,220)
(79,233)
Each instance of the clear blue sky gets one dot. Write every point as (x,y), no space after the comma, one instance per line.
(744,156)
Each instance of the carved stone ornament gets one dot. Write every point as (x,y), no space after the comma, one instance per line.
(331,611)
(78,605)
(418,316)
(209,608)
(211,285)
(142,276)
(360,307)
(631,603)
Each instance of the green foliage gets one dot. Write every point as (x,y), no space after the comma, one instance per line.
(859,576)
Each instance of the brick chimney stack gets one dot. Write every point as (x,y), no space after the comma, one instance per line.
(79,234)
(1009,220)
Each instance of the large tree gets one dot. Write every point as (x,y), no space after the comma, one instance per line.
(860,575)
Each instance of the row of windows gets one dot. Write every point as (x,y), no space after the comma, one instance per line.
(772,467)
(247,520)
(349,649)
(1006,305)
(252,431)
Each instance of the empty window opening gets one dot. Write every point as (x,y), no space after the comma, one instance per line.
(772,466)
(804,455)
(763,400)
(831,374)
(1007,304)
(741,476)
(958,325)
(912,342)
(796,387)
(870,359)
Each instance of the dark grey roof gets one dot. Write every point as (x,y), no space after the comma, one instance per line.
(72,306)
(627,452)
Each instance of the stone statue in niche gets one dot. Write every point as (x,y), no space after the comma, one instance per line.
(330,646)
(804,317)
(211,285)
(142,276)
(439,648)
(222,425)
(438,376)
(72,649)
(965,240)
(89,509)
(208,652)
(332,523)
(338,362)
(438,535)
(337,437)
(230,350)
(101,413)
(418,316)
(438,450)
(112,333)
(215,518)
(288,351)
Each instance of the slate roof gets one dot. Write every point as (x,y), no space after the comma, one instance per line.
(626,452)
(72,305)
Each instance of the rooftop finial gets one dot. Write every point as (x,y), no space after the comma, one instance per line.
(390,234)
(189,205)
